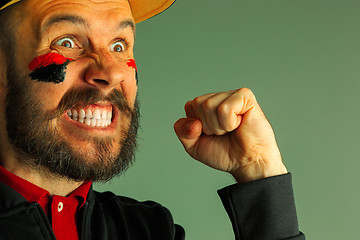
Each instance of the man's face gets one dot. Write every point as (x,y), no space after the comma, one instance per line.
(45,120)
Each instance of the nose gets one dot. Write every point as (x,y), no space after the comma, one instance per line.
(106,72)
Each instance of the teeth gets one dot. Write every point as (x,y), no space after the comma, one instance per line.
(104,115)
(98,118)
(82,113)
(96,114)
(87,121)
(93,122)
(88,114)
(75,114)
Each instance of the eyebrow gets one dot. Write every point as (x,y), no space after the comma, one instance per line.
(127,23)
(64,18)
(77,20)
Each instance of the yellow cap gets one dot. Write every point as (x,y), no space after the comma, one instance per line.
(144,9)
(141,9)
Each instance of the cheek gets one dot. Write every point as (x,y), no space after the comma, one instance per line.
(49,95)
(129,90)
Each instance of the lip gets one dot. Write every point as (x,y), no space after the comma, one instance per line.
(109,129)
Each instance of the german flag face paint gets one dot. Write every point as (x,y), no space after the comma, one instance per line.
(131,63)
(49,68)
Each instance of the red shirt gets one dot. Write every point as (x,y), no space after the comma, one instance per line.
(61,211)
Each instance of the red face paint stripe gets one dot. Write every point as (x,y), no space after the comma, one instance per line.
(131,63)
(47,59)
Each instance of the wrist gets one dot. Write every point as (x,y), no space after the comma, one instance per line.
(243,175)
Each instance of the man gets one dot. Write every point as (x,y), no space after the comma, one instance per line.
(68,85)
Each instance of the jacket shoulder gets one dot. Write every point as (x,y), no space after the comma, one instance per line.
(137,219)
(105,198)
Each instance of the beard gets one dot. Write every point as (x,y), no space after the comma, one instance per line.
(40,145)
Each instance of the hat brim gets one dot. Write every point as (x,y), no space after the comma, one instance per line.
(141,9)
(145,9)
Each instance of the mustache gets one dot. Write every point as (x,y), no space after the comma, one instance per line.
(77,98)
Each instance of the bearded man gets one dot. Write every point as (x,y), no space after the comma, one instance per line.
(69,117)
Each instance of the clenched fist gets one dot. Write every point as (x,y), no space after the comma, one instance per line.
(228,131)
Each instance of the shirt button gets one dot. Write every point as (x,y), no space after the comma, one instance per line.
(60,206)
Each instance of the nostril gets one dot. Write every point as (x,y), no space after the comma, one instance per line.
(101,81)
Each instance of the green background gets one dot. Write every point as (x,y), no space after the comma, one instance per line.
(300,58)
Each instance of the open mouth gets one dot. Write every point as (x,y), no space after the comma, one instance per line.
(94,116)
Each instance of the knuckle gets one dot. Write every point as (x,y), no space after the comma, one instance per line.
(247,94)
(197,101)
(245,91)
(188,104)
(188,107)
(206,105)
(223,109)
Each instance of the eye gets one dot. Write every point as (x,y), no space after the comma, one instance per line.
(117,47)
(66,42)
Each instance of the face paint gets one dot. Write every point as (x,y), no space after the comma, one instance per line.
(49,68)
(131,63)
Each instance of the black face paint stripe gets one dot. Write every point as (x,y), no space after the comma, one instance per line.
(51,73)
(136,77)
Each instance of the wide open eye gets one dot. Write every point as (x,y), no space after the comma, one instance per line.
(117,46)
(66,42)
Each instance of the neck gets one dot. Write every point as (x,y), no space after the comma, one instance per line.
(55,185)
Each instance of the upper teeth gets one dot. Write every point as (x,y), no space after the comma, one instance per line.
(97,118)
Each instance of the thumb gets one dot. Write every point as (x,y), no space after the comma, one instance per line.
(188,130)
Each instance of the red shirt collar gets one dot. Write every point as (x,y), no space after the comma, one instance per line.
(33,193)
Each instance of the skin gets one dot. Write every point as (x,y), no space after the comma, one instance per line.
(227,131)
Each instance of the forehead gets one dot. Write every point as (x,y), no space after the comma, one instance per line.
(96,12)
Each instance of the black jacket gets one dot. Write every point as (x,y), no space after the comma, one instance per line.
(262,209)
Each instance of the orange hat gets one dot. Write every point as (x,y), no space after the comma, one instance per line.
(141,9)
